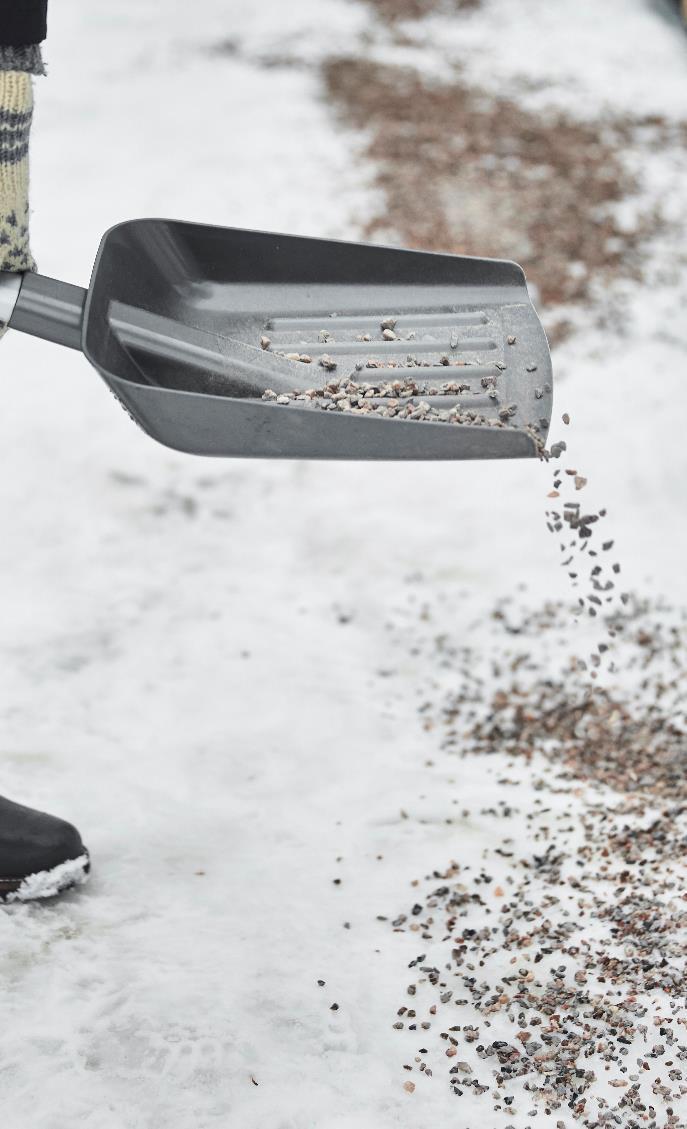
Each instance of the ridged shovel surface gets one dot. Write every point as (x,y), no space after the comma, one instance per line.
(192,326)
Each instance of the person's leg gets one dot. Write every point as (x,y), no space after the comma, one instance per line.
(40,855)
(16,109)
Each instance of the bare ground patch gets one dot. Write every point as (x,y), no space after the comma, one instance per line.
(464,171)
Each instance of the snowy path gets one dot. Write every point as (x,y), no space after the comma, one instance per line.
(175,674)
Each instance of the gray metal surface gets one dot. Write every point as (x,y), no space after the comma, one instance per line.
(50,309)
(190,325)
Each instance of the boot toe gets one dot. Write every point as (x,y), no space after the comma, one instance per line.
(33,841)
(62,843)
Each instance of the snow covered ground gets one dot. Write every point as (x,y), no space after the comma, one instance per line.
(195,664)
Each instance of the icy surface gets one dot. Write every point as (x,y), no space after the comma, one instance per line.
(176,676)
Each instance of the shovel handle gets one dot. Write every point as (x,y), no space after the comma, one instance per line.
(45,307)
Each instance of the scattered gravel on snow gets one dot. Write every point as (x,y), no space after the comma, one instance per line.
(591,1021)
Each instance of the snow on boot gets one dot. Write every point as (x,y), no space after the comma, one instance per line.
(40,855)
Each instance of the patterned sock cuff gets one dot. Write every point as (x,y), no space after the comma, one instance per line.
(16,108)
(27,59)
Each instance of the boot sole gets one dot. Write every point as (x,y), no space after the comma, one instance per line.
(47,883)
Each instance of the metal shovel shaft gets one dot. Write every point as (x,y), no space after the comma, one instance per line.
(48,308)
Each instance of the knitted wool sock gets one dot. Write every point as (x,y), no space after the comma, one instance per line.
(16,108)
(26,58)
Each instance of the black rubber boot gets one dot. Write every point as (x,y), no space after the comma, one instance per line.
(40,855)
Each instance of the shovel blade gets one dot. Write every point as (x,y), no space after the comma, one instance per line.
(190,325)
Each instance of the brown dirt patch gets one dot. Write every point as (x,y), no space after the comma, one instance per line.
(394,11)
(463,171)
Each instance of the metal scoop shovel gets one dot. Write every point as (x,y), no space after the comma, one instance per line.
(191,326)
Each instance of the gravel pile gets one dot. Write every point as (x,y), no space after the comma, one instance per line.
(407,399)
